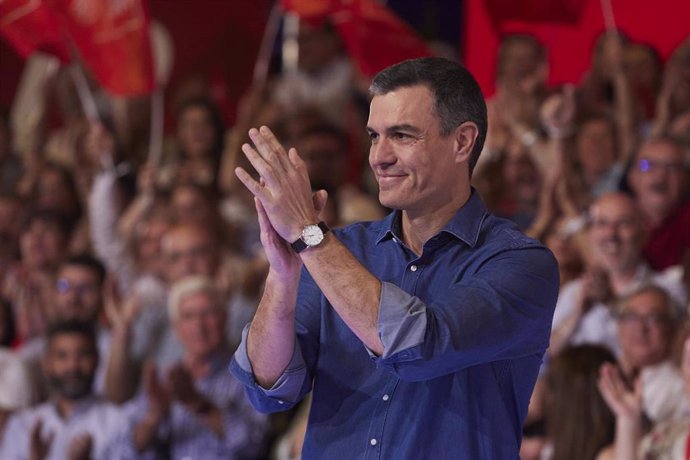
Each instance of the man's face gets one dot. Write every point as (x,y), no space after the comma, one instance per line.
(188,251)
(657,177)
(595,147)
(199,324)
(644,329)
(413,163)
(42,244)
(615,233)
(70,365)
(77,294)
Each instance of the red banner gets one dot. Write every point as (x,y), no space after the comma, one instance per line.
(373,35)
(30,26)
(112,38)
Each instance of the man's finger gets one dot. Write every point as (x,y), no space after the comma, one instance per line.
(277,147)
(271,154)
(264,168)
(253,186)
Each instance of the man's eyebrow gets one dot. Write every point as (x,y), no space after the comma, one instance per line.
(396,128)
(403,127)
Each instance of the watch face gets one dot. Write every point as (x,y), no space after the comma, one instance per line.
(312,235)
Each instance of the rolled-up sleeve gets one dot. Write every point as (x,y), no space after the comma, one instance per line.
(285,393)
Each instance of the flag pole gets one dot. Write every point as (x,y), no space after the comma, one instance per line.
(263,60)
(156,137)
(88,101)
(609,18)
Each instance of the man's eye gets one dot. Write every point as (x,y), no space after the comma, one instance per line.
(401,136)
(373,137)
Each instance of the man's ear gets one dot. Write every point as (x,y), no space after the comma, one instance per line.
(465,137)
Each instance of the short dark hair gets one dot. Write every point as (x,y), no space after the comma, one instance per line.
(86,261)
(457,95)
(73,327)
(48,216)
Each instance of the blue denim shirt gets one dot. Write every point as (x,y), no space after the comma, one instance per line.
(464,328)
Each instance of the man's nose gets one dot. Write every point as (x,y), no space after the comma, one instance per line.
(381,153)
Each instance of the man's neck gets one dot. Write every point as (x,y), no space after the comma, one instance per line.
(620,279)
(65,407)
(419,227)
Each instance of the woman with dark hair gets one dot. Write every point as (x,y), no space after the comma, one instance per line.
(579,423)
(200,144)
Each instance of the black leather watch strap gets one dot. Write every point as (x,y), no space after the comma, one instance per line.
(300,245)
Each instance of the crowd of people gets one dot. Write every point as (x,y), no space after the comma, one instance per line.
(126,281)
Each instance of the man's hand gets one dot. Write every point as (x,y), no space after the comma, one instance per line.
(80,447)
(39,447)
(121,314)
(284,189)
(158,395)
(623,401)
(596,287)
(181,384)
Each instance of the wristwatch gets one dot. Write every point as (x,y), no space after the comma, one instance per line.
(312,235)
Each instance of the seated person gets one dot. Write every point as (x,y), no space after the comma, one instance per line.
(584,312)
(646,320)
(74,423)
(197,406)
(77,295)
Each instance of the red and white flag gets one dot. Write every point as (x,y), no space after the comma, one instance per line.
(112,39)
(30,26)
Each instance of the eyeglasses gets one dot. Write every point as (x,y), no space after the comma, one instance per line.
(654,319)
(645,165)
(63,286)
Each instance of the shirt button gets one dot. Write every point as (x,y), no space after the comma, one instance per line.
(386,397)
(413,268)
(373,441)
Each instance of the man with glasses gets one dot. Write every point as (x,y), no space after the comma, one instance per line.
(646,320)
(77,296)
(658,180)
(584,312)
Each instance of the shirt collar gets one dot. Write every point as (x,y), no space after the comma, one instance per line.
(465,225)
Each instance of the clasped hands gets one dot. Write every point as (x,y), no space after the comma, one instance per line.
(284,200)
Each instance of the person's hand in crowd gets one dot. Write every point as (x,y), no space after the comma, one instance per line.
(120,313)
(38,446)
(99,146)
(181,384)
(157,394)
(557,113)
(613,56)
(146,178)
(623,401)
(30,293)
(79,447)
(596,288)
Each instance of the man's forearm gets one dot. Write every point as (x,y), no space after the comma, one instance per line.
(120,374)
(352,290)
(271,337)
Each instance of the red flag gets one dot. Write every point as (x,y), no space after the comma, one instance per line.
(30,26)
(312,11)
(373,35)
(112,38)
(552,11)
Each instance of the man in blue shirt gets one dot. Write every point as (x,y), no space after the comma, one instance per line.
(420,335)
